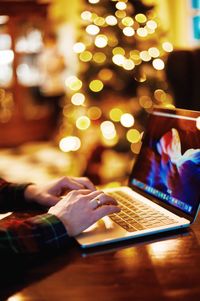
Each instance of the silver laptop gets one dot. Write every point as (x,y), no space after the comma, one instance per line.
(163,192)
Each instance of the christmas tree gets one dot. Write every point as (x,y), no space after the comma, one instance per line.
(121,54)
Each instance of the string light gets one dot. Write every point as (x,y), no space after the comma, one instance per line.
(158,64)
(133,136)
(79,47)
(85,56)
(94,113)
(73,83)
(111,20)
(115,114)
(118,50)
(101,41)
(96,85)
(151,24)
(121,5)
(167,46)
(86,15)
(83,123)
(140,18)
(92,29)
(127,120)
(78,99)
(99,57)
(108,130)
(70,143)
(118,59)
(128,31)
(127,21)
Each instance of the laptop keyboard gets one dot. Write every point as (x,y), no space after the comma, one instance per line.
(135,215)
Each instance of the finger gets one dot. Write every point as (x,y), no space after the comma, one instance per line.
(102,199)
(85,182)
(105,210)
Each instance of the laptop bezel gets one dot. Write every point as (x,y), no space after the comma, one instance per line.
(191,217)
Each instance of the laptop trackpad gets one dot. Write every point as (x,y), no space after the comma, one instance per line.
(104,229)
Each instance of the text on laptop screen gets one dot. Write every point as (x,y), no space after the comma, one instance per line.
(168,166)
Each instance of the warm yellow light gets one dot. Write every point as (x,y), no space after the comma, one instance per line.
(135,56)
(128,64)
(152,24)
(99,57)
(70,143)
(128,31)
(144,55)
(127,120)
(135,147)
(7,56)
(142,32)
(99,21)
(73,83)
(85,56)
(133,136)
(111,20)
(93,1)
(101,41)
(127,21)
(167,46)
(94,113)
(108,130)
(118,59)
(145,102)
(92,29)
(154,52)
(86,15)
(198,123)
(115,114)
(121,5)
(160,95)
(140,18)
(96,85)
(120,14)
(79,47)
(105,74)
(83,123)
(118,50)
(158,64)
(78,99)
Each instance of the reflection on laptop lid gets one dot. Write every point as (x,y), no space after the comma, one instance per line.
(163,192)
(168,166)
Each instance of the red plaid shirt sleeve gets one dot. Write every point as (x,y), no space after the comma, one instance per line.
(35,234)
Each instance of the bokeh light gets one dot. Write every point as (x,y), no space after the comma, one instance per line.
(167,46)
(128,31)
(128,64)
(115,114)
(154,52)
(127,120)
(152,24)
(78,99)
(105,74)
(118,59)
(99,57)
(144,55)
(101,41)
(108,129)
(121,5)
(83,123)
(140,18)
(111,20)
(73,83)
(86,15)
(158,64)
(127,21)
(96,85)
(94,113)
(133,136)
(70,143)
(79,47)
(92,29)
(118,50)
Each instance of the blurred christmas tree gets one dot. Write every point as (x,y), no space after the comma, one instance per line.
(121,52)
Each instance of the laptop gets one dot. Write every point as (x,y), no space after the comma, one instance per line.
(163,190)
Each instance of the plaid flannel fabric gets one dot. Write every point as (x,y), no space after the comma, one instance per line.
(35,234)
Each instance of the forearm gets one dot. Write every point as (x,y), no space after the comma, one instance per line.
(41,233)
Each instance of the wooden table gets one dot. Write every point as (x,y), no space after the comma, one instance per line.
(158,268)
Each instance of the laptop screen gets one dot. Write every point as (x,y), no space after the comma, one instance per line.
(168,166)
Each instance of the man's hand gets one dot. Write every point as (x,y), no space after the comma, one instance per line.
(82,208)
(49,194)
